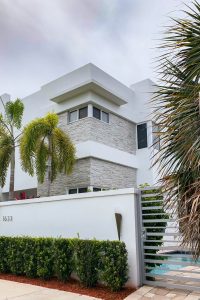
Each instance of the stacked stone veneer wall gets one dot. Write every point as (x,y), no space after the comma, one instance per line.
(92,172)
(119,133)
(110,175)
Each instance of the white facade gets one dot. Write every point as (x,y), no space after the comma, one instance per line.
(90,85)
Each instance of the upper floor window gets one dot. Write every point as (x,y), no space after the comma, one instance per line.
(142,136)
(100,114)
(96,113)
(73,116)
(105,116)
(83,112)
(78,114)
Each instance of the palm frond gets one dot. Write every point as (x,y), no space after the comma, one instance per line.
(14,112)
(64,152)
(178,116)
(42,141)
(6,147)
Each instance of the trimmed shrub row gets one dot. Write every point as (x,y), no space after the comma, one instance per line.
(92,261)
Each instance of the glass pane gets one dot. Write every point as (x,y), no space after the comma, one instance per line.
(96,113)
(142,135)
(82,190)
(72,191)
(95,189)
(105,117)
(83,112)
(73,116)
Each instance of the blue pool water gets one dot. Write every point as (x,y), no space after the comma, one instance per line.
(164,268)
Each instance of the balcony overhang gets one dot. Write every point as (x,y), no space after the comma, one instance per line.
(93,86)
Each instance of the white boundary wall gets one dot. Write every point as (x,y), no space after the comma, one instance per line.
(89,215)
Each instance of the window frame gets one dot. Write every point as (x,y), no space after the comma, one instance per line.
(146,136)
(106,113)
(78,114)
(72,189)
(73,111)
(81,108)
(93,108)
(101,113)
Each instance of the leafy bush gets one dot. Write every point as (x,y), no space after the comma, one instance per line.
(91,260)
(63,258)
(15,257)
(86,258)
(30,257)
(45,258)
(114,265)
(4,245)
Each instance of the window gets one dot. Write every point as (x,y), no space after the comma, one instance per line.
(83,190)
(95,189)
(83,112)
(156,137)
(78,190)
(142,135)
(100,115)
(73,116)
(72,191)
(78,114)
(105,117)
(96,113)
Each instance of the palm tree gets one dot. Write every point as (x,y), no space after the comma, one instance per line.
(47,149)
(10,122)
(177,112)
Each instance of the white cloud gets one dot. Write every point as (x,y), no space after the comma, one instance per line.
(41,40)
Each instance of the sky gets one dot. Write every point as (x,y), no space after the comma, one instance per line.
(41,40)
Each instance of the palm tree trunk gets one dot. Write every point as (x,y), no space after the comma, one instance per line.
(12,175)
(49,167)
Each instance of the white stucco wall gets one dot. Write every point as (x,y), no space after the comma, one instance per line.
(91,215)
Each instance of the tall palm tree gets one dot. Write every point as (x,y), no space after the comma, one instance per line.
(47,149)
(10,122)
(177,112)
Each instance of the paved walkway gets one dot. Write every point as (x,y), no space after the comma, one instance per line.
(148,292)
(20,291)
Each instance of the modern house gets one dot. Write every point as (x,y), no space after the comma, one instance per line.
(110,124)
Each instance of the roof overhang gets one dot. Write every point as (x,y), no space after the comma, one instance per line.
(93,86)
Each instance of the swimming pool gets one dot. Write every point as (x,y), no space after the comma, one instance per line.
(164,268)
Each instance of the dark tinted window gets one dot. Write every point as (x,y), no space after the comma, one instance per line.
(96,113)
(72,191)
(105,117)
(95,189)
(83,112)
(82,190)
(142,135)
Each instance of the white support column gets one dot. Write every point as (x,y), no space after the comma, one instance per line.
(90,188)
(90,110)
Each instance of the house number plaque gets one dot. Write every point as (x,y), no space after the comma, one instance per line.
(7,218)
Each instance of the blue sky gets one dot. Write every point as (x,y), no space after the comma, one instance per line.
(44,39)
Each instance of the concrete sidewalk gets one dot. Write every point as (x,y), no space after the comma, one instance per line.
(21,291)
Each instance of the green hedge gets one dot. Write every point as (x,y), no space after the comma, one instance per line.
(92,261)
